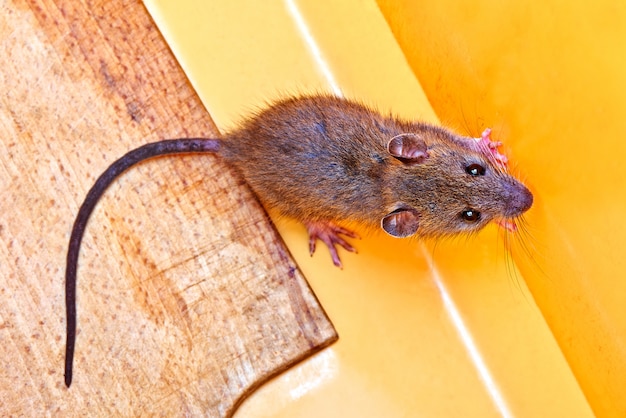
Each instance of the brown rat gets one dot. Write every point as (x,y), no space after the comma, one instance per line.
(325,160)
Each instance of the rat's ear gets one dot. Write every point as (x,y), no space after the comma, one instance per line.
(408,148)
(401,222)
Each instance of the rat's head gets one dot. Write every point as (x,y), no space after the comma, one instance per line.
(443,184)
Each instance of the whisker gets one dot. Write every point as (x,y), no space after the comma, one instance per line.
(511,267)
(528,245)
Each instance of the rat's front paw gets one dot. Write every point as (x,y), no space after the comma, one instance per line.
(328,233)
(490,148)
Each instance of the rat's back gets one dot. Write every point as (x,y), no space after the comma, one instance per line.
(315,157)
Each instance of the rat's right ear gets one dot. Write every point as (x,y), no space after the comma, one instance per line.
(401,223)
(408,148)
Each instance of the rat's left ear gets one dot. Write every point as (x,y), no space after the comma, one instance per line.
(408,148)
(401,223)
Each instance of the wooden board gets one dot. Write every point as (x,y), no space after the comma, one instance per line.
(187,298)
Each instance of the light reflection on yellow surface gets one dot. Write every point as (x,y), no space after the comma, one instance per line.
(467,340)
(314,49)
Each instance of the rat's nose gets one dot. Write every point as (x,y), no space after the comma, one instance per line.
(518,199)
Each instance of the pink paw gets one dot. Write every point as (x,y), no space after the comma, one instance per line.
(490,148)
(508,224)
(328,233)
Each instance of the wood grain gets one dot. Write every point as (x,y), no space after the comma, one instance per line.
(187,298)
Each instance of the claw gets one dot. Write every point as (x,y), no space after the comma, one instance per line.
(508,224)
(328,233)
(490,148)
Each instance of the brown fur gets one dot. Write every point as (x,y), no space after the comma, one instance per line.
(325,158)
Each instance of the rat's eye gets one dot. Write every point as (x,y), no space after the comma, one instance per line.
(475,170)
(470,215)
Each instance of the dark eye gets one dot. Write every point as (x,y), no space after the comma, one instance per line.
(475,170)
(470,215)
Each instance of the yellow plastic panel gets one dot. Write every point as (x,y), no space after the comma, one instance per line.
(551,76)
(441,331)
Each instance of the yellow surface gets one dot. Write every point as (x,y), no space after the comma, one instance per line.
(552,77)
(451,331)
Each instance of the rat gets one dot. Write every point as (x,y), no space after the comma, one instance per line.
(325,161)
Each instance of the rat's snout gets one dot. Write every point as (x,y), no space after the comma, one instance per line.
(518,199)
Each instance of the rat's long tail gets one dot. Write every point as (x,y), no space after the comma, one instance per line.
(155,149)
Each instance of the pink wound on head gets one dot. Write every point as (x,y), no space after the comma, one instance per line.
(490,148)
